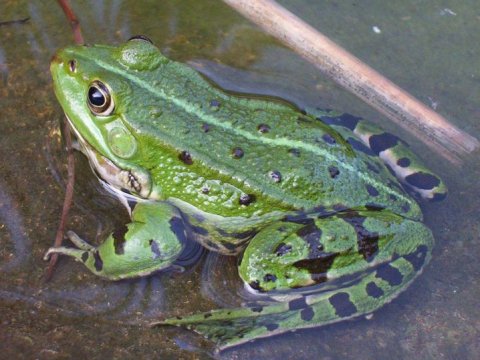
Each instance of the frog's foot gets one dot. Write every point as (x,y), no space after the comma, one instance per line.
(394,152)
(153,241)
(386,255)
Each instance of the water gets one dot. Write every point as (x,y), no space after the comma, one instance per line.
(428,47)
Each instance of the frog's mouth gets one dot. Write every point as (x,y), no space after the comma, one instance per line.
(117,179)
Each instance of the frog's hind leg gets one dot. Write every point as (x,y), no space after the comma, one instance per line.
(394,152)
(406,244)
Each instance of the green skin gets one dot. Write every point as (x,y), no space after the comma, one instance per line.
(305,195)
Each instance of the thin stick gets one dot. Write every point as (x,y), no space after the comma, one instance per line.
(67,201)
(357,77)
(14,22)
(74,23)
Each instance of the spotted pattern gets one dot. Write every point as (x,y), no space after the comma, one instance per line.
(346,120)
(374,291)
(359,146)
(276,176)
(422,180)
(342,304)
(283,249)
(307,313)
(382,142)
(98,262)
(372,191)
(237,153)
(297,304)
(85,256)
(155,249)
(186,157)
(333,171)
(263,128)
(178,228)
(119,239)
(367,241)
(390,274)
(403,162)
(246,199)
(417,258)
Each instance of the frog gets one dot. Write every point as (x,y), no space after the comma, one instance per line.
(320,207)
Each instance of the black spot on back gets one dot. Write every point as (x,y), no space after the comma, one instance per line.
(237,153)
(205,127)
(185,157)
(275,175)
(390,274)
(155,249)
(271,327)
(367,241)
(307,314)
(85,256)
(199,230)
(119,239)
(333,171)
(439,196)
(417,258)
(311,234)
(329,139)
(403,162)
(178,228)
(371,190)
(98,263)
(269,278)
(296,304)
(345,120)
(283,249)
(294,152)
(359,146)
(342,304)
(373,290)
(246,199)
(379,143)
(263,128)
(422,180)
(214,103)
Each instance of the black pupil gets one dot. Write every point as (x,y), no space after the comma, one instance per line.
(95,96)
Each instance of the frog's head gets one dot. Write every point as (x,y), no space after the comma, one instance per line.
(94,87)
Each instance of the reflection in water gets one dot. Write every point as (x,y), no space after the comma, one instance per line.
(21,244)
(134,301)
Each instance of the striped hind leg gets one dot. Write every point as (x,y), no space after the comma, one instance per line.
(404,248)
(394,152)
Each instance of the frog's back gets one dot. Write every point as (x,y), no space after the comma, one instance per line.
(238,155)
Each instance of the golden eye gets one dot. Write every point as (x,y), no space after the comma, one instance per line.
(99,99)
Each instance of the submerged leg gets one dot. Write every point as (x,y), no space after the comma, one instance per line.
(406,166)
(152,241)
(366,258)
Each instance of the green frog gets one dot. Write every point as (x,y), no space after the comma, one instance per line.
(317,204)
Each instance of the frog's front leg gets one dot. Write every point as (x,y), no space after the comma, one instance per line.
(152,241)
(364,258)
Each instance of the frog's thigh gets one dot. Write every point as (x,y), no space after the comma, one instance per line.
(152,241)
(289,255)
(407,167)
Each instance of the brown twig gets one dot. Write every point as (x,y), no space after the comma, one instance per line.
(359,78)
(74,23)
(13,22)
(67,202)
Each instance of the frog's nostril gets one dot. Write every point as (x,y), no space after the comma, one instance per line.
(72,65)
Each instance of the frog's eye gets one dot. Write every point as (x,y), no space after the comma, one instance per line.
(99,99)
